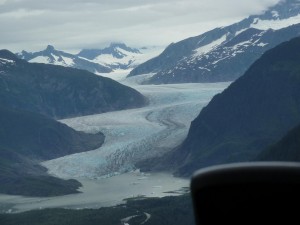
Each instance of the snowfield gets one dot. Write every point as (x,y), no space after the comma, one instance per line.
(137,134)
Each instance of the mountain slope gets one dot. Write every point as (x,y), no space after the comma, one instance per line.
(52,56)
(224,54)
(252,113)
(42,138)
(21,176)
(58,91)
(287,149)
(27,138)
(117,56)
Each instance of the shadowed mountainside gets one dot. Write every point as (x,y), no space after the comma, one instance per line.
(28,138)
(287,149)
(60,92)
(252,113)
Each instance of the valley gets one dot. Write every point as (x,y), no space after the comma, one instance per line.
(136,134)
(98,132)
(108,174)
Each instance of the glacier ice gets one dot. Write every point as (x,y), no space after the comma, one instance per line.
(136,134)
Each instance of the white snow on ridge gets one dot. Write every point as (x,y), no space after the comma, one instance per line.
(147,53)
(240,31)
(5,61)
(40,59)
(63,61)
(275,14)
(209,47)
(56,58)
(108,59)
(68,61)
(275,24)
(262,44)
(203,68)
(130,58)
(241,44)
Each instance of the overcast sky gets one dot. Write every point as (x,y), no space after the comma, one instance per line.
(75,24)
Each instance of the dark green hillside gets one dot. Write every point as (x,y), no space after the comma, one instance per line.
(39,137)
(27,138)
(21,176)
(254,112)
(287,149)
(31,92)
(60,92)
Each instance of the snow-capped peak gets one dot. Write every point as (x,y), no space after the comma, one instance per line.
(275,23)
(117,50)
(50,48)
(224,54)
(117,56)
(52,56)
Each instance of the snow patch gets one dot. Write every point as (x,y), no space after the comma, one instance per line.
(56,58)
(262,44)
(108,59)
(275,24)
(240,31)
(275,14)
(40,59)
(68,61)
(203,68)
(209,47)
(219,60)
(130,59)
(245,44)
(6,61)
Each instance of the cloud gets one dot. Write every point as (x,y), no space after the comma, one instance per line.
(75,24)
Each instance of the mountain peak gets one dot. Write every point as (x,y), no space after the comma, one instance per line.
(224,54)
(117,50)
(235,126)
(117,44)
(5,54)
(50,48)
(123,46)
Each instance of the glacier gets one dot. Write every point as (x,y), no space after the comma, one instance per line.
(108,174)
(136,134)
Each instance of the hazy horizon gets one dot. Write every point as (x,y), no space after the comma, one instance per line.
(73,25)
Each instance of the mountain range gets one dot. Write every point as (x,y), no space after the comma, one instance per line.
(32,96)
(117,56)
(60,92)
(225,53)
(254,112)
